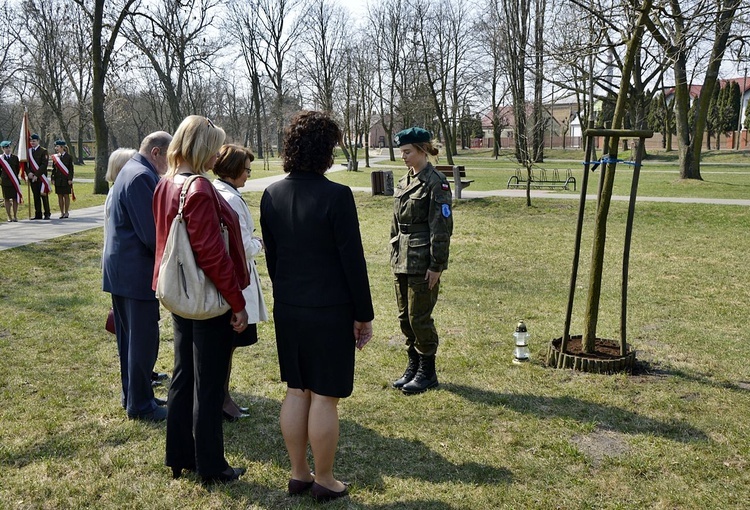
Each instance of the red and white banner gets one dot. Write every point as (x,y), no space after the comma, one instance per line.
(23,144)
(13,178)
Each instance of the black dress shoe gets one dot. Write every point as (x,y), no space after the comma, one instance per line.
(158,414)
(177,471)
(160,401)
(297,487)
(243,410)
(232,418)
(230,475)
(320,493)
(158,376)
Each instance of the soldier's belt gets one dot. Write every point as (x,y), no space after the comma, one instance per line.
(406,228)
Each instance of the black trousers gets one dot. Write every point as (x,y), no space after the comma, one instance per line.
(39,200)
(195,437)
(137,329)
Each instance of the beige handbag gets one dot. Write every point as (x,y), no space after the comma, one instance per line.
(182,287)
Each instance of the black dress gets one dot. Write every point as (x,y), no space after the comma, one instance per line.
(320,285)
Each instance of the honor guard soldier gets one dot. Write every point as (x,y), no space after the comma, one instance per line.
(9,167)
(62,175)
(40,183)
(420,239)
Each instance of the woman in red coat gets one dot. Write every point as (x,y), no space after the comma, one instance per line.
(195,439)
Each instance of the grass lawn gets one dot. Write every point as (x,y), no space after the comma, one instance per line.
(726,174)
(495,435)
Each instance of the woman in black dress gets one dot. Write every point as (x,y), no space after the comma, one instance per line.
(322,304)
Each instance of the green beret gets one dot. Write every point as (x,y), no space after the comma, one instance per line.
(4,143)
(60,142)
(34,136)
(412,135)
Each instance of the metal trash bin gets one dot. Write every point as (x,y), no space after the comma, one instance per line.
(382,182)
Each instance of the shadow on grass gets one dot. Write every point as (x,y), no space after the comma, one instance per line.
(645,370)
(364,455)
(606,417)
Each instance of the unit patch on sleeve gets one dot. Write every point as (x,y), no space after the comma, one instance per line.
(446,210)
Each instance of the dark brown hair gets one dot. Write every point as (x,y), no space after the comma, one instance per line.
(309,141)
(231,161)
(427,148)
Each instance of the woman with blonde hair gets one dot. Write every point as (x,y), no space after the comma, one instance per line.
(195,439)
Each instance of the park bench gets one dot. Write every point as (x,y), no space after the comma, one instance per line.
(540,179)
(453,173)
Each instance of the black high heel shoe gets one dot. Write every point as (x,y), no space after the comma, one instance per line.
(231,418)
(230,475)
(320,493)
(177,471)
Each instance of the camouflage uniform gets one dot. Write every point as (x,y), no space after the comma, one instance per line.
(420,239)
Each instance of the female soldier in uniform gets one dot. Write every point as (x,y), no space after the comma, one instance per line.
(420,238)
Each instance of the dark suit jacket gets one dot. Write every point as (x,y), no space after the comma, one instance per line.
(128,260)
(41,156)
(313,245)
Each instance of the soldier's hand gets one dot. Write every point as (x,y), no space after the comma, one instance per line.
(432,277)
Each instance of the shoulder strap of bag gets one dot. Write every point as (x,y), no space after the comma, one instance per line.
(183,195)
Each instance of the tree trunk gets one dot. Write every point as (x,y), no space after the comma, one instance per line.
(600,228)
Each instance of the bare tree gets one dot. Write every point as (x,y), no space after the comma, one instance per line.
(677,30)
(446,40)
(105,30)
(78,71)
(324,32)
(277,36)
(241,25)
(389,21)
(48,41)
(173,36)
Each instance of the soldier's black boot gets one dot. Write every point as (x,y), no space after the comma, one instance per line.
(425,379)
(411,368)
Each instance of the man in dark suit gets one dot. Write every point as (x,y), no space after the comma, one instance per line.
(128,266)
(40,186)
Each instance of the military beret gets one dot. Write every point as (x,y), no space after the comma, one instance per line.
(60,142)
(412,135)
(5,143)
(35,136)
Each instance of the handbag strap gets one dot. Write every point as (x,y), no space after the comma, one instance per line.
(183,195)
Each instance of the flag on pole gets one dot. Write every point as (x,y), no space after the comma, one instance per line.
(23,144)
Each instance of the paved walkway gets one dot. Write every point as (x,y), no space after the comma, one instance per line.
(26,232)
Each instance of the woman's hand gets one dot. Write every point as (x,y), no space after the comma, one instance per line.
(239,321)
(432,277)
(362,333)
